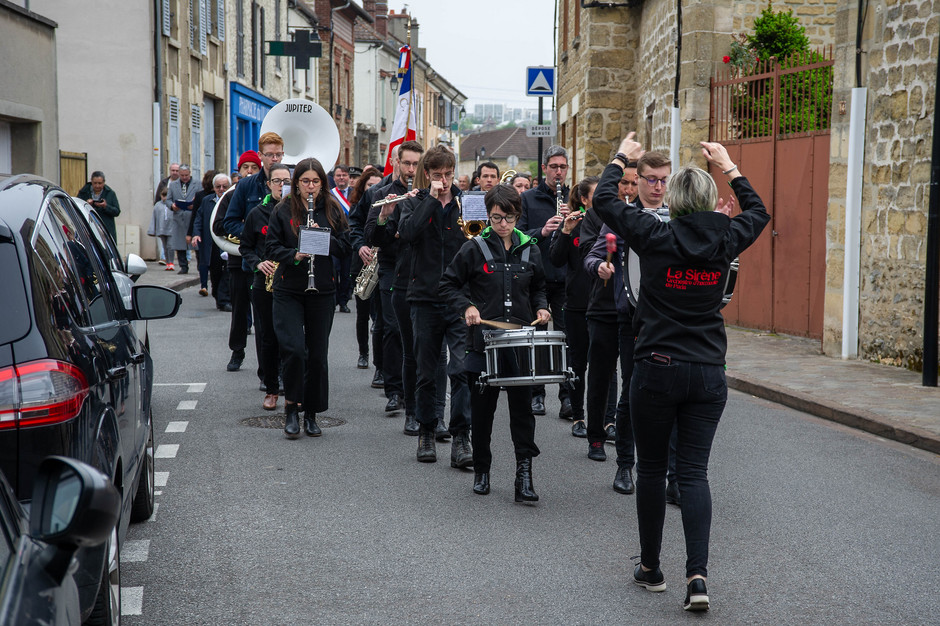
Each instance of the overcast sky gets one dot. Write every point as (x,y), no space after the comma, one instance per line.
(483,46)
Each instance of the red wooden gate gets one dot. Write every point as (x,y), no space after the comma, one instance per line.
(775,124)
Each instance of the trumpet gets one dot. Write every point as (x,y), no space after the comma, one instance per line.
(507,176)
(311,273)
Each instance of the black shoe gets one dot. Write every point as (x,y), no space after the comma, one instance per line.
(525,492)
(696,596)
(311,429)
(538,405)
(611,431)
(440,431)
(596,451)
(395,403)
(344,309)
(623,481)
(427,451)
(566,412)
(672,494)
(579,429)
(262,387)
(481,483)
(461,455)
(652,580)
(378,381)
(292,421)
(226,307)
(363,362)
(185,270)
(236,363)
(411,426)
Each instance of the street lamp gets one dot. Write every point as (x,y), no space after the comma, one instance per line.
(393,83)
(463,111)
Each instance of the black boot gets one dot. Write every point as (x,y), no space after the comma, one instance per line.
(440,431)
(524,490)
(427,451)
(311,429)
(461,455)
(411,426)
(292,421)
(481,483)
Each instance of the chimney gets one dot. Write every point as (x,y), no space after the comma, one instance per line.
(379,12)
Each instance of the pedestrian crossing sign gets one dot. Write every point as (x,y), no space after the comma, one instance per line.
(540,81)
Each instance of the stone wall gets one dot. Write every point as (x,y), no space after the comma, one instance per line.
(818,16)
(901,39)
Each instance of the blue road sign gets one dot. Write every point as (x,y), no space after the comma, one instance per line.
(540,81)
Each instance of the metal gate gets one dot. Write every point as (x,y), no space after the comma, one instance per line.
(775,124)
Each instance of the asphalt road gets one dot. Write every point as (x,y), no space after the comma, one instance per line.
(813,522)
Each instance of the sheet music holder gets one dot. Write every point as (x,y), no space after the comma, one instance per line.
(314,241)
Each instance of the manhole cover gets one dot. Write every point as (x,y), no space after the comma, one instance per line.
(276,420)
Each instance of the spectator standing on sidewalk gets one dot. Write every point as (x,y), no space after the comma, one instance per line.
(179,197)
(103,199)
(160,228)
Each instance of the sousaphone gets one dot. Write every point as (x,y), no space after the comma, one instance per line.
(308,131)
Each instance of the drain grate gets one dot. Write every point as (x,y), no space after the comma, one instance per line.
(276,420)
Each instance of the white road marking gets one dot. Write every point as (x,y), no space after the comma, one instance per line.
(159,479)
(135,550)
(132,600)
(153,518)
(167,451)
(196,388)
(157,492)
(176,427)
(186,405)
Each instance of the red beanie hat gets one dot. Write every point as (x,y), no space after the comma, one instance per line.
(249,156)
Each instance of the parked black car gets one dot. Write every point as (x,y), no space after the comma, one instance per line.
(75,376)
(73,505)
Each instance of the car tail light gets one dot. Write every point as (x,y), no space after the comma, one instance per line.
(41,393)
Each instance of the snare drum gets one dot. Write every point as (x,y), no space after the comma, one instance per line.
(631,271)
(525,357)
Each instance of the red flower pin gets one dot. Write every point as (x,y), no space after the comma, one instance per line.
(264,230)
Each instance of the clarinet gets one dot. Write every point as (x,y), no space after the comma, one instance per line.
(559,202)
(311,274)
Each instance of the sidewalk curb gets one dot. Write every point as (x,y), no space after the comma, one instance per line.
(183,283)
(856,418)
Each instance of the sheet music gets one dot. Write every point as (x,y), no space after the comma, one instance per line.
(473,206)
(315,241)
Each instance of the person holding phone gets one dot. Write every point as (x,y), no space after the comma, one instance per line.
(679,354)
(103,199)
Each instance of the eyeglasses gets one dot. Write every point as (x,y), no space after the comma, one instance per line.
(280,181)
(309,181)
(498,219)
(652,181)
(441,176)
(273,155)
(558,166)
(220,186)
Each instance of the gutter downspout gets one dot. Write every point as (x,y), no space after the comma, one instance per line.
(675,136)
(932,275)
(332,51)
(157,94)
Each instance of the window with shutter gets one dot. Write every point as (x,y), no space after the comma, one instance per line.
(192,26)
(174,124)
(220,20)
(203,26)
(196,140)
(167,21)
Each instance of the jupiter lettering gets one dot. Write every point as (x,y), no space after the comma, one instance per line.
(298,108)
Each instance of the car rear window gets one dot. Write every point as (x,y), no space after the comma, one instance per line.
(16,318)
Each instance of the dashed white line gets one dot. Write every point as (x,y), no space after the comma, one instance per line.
(132,599)
(176,427)
(196,388)
(153,518)
(186,405)
(167,451)
(160,478)
(135,550)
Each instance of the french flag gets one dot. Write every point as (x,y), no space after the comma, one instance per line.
(405,116)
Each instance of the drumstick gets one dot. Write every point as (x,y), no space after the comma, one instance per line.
(611,248)
(503,325)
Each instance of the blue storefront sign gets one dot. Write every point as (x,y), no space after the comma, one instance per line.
(248,108)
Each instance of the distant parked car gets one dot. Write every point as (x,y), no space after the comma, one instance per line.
(73,505)
(75,375)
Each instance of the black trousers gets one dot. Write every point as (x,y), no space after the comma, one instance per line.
(265,338)
(434,325)
(576,336)
(378,331)
(482,412)
(241,306)
(341,268)
(555,292)
(219,279)
(608,340)
(391,337)
(409,368)
(303,322)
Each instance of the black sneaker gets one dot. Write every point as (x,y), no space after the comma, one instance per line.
(611,432)
(596,451)
(566,412)
(538,405)
(579,429)
(653,580)
(363,362)
(235,363)
(672,494)
(696,596)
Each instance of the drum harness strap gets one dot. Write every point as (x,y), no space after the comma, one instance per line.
(507,269)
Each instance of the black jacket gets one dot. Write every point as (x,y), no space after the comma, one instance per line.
(684,264)
(281,245)
(434,236)
(470,281)
(359,213)
(565,252)
(538,206)
(381,235)
(107,213)
(254,235)
(608,302)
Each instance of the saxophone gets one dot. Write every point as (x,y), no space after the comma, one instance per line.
(269,280)
(368,277)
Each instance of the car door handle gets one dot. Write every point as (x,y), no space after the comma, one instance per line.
(117,373)
(138,358)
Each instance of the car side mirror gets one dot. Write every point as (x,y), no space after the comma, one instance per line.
(135,266)
(74,506)
(151,302)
